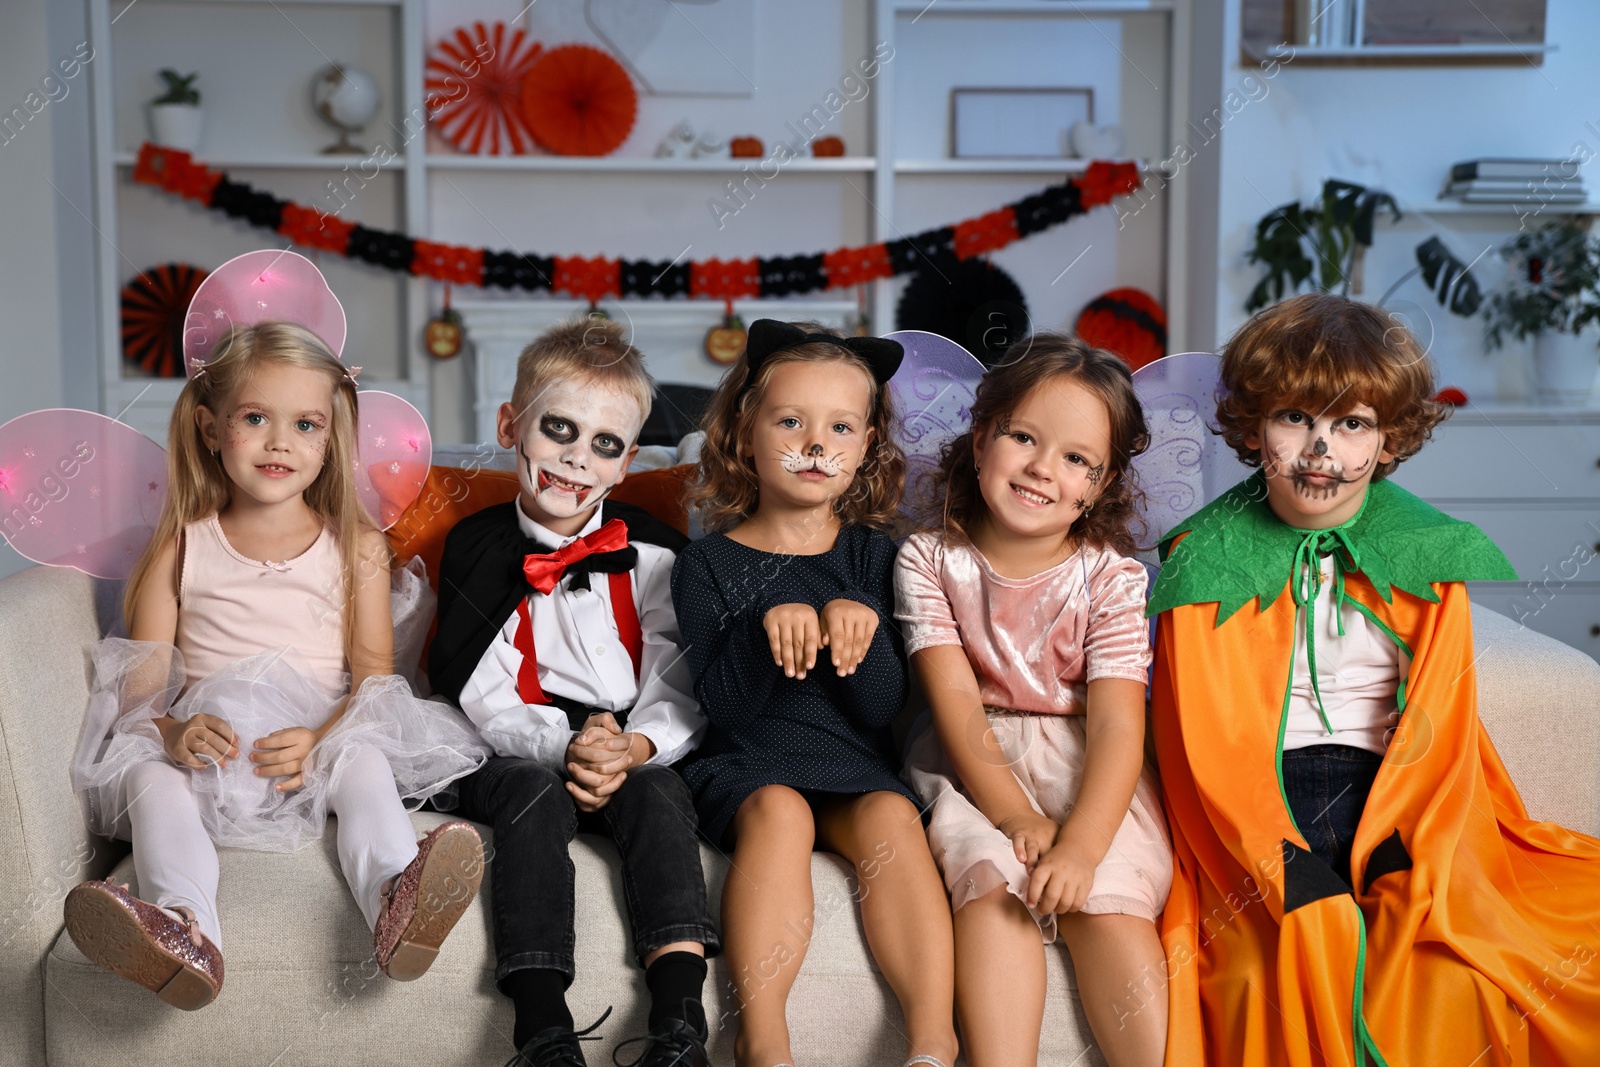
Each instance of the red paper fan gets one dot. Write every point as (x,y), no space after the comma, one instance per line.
(153,308)
(474,89)
(579,101)
(1125,322)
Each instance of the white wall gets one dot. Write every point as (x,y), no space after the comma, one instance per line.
(46,279)
(1399,129)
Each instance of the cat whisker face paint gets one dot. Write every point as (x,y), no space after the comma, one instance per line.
(1318,464)
(812,459)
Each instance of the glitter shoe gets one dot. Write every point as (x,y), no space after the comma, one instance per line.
(422,905)
(144,944)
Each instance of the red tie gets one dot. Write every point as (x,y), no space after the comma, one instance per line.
(544,571)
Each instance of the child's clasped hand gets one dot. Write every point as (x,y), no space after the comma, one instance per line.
(199,741)
(796,631)
(598,758)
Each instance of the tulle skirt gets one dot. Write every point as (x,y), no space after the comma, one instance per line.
(428,743)
(1046,753)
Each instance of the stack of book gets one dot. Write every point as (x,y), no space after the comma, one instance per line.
(1516,181)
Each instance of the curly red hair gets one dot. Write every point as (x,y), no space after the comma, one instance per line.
(1317,351)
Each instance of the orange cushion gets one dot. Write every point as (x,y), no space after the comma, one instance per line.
(450,494)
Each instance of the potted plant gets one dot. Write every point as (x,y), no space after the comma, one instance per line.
(1338,230)
(175,114)
(1554,299)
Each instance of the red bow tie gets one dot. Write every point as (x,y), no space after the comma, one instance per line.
(545,571)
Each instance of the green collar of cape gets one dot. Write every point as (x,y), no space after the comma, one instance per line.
(1238,550)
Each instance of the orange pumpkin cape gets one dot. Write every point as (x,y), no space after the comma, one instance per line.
(1473,933)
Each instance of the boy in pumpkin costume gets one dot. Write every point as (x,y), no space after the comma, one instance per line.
(1357,880)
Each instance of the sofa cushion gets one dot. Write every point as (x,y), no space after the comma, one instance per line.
(301,984)
(450,494)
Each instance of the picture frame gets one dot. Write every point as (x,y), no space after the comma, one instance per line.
(1016,122)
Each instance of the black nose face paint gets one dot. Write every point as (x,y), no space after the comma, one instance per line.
(814,450)
(1320,448)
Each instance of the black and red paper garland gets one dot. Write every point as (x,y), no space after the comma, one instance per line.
(596,277)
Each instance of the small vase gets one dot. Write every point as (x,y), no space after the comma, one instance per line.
(175,126)
(1565,366)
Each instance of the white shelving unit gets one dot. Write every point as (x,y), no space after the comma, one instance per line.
(147,402)
(895,18)
(907,171)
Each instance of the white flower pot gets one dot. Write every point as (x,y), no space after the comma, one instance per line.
(1565,366)
(175,126)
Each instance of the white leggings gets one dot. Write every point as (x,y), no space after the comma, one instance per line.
(177,863)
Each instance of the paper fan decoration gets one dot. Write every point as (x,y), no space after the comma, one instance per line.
(395,452)
(972,302)
(1125,322)
(579,101)
(153,306)
(474,89)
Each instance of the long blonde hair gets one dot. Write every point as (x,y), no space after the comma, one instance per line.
(197,486)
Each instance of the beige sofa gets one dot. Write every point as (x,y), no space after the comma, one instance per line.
(301,988)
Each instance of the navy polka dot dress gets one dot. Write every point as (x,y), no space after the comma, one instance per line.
(822,733)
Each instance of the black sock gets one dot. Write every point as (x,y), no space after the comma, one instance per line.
(675,982)
(540,998)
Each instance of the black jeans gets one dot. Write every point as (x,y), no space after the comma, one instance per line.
(1327,786)
(652,821)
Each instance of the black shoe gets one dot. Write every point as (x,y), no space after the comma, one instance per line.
(556,1046)
(675,1043)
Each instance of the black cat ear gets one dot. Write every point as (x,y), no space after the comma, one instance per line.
(881,354)
(767,336)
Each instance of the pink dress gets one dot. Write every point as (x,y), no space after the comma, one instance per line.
(1034,645)
(261,646)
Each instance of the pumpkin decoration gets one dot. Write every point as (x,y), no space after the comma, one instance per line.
(474,89)
(746,148)
(443,334)
(1128,323)
(154,305)
(827,146)
(726,340)
(579,101)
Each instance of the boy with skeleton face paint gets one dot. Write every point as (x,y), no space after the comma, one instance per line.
(1353,862)
(558,638)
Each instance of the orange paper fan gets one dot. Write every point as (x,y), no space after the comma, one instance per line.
(474,89)
(579,101)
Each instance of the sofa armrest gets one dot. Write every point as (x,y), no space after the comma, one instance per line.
(48,625)
(1537,698)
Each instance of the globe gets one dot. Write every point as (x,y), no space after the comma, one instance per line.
(346,99)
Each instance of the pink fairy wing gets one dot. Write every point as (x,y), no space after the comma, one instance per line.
(1187,465)
(79,490)
(933,393)
(395,450)
(271,283)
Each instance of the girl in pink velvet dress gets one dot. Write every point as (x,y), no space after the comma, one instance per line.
(1024,619)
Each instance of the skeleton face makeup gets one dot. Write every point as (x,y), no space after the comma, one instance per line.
(573,443)
(1043,464)
(811,433)
(273,433)
(1318,465)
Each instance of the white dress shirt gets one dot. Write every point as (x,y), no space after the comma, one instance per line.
(1358,675)
(581,657)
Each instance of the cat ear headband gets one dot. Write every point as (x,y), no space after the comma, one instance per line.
(83,491)
(768,337)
